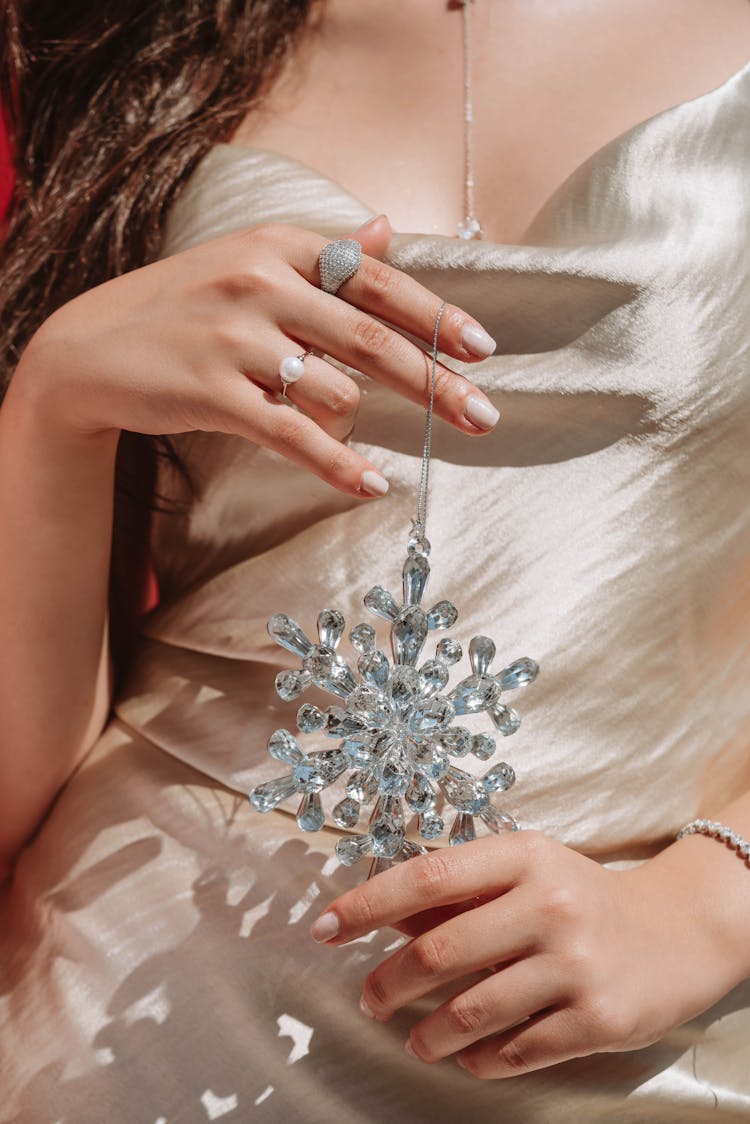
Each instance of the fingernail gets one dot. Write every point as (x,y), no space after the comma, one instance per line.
(480,412)
(325,927)
(460,1061)
(477,341)
(373,483)
(365,1009)
(372,220)
(409,1049)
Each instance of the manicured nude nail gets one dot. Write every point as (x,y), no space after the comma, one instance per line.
(365,1009)
(373,483)
(325,927)
(477,341)
(481,413)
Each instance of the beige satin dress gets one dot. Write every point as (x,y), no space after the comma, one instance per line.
(155,962)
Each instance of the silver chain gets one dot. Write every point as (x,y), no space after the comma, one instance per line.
(469,227)
(420,523)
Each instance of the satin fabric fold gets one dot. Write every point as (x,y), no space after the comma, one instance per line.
(154,958)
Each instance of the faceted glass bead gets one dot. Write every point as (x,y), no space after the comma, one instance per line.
(330,671)
(417,543)
(310,813)
(309,775)
(387,837)
(505,718)
(483,746)
(365,699)
(310,718)
(409,850)
(448,651)
(463,791)
(362,786)
(284,747)
(430,825)
(331,625)
(474,694)
(353,848)
(481,654)
(362,637)
(375,668)
(419,795)
(462,830)
(442,615)
(381,602)
(408,634)
(430,761)
(415,574)
(359,754)
(340,723)
(432,714)
(499,778)
(266,796)
(404,686)
(290,684)
(518,674)
(346,812)
(289,635)
(394,771)
(456,741)
(434,676)
(498,821)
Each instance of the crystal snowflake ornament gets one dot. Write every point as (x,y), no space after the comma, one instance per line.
(394,722)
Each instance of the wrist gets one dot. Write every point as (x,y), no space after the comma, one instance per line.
(42,401)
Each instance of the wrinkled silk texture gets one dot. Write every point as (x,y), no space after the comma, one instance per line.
(156,962)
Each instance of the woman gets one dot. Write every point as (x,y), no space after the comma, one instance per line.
(179,174)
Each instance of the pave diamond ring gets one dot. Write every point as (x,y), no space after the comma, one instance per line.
(338,261)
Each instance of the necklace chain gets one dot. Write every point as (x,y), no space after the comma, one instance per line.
(469,227)
(420,523)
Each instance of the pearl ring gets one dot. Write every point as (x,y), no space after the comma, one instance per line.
(292,368)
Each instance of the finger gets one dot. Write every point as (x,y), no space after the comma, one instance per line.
(384,354)
(270,421)
(324,392)
(445,876)
(385,291)
(494,1004)
(546,1039)
(497,932)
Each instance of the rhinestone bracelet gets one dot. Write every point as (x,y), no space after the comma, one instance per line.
(718,831)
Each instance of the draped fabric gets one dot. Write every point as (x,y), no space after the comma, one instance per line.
(155,963)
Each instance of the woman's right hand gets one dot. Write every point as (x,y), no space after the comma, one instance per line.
(194,342)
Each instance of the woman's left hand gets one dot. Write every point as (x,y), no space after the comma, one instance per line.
(584,959)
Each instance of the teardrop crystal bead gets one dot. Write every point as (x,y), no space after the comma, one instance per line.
(475,694)
(434,676)
(481,654)
(291,683)
(483,746)
(464,792)
(456,741)
(499,778)
(379,601)
(264,797)
(404,686)
(346,812)
(350,850)
(362,637)
(375,668)
(442,615)
(498,821)
(289,635)
(462,830)
(284,747)
(362,786)
(420,796)
(310,812)
(518,674)
(331,625)
(408,634)
(448,651)
(415,574)
(430,825)
(505,718)
(310,718)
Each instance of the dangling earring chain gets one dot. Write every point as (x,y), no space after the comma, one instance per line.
(469,227)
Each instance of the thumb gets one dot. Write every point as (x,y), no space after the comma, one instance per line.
(374,235)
